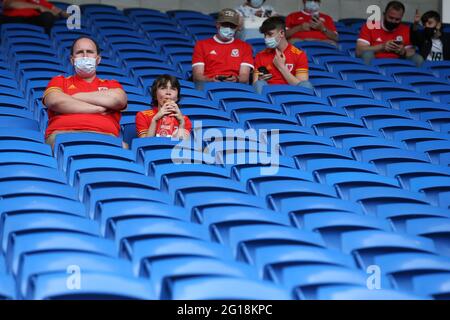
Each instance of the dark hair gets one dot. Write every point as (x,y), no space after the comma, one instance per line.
(430,15)
(396,5)
(85,37)
(273,23)
(162,81)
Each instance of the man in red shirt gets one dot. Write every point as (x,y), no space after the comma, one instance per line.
(222,58)
(37,12)
(388,38)
(281,62)
(83,102)
(311,24)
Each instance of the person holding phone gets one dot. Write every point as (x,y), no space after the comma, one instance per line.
(38,12)
(281,62)
(165,118)
(252,15)
(388,39)
(432,41)
(222,57)
(311,25)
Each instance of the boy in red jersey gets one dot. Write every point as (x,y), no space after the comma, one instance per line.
(389,39)
(281,62)
(222,57)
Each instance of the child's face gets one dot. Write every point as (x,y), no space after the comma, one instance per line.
(166,92)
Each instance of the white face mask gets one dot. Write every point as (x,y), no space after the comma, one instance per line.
(227,33)
(85,66)
(256,3)
(312,6)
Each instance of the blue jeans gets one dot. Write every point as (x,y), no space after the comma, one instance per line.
(259,85)
(368,56)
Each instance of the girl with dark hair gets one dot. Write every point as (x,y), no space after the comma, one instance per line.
(165,118)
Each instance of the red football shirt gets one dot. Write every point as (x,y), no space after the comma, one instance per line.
(296,61)
(376,36)
(300,17)
(222,58)
(103,123)
(27,12)
(144,119)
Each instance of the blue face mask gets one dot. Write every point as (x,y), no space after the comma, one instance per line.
(312,6)
(227,32)
(271,43)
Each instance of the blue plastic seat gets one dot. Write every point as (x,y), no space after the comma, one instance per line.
(437,229)
(54,262)
(163,271)
(19,123)
(71,154)
(222,288)
(352,292)
(79,166)
(306,279)
(94,285)
(149,249)
(404,267)
(33,223)
(271,258)
(22,187)
(435,285)
(127,231)
(110,217)
(368,244)
(7,287)
(20,244)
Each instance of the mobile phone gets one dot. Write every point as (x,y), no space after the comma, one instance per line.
(398,42)
(263,70)
(222,78)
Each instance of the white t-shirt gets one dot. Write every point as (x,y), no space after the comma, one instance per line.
(437,51)
(251,22)
(250,12)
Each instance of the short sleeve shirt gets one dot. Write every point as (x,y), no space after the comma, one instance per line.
(222,58)
(296,62)
(103,123)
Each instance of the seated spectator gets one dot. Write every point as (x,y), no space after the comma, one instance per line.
(433,43)
(281,62)
(389,39)
(83,102)
(253,13)
(164,119)
(37,12)
(311,25)
(222,58)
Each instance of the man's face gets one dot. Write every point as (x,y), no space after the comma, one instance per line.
(85,48)
(394,16)
(431,23)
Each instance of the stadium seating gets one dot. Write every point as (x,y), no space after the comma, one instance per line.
(362,176)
